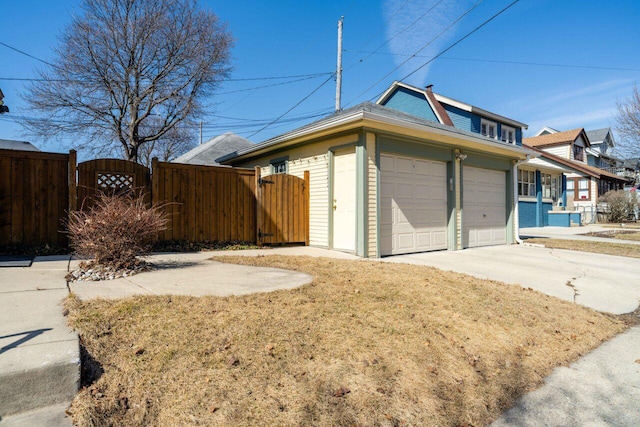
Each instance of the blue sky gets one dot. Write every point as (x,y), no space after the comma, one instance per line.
(590,48)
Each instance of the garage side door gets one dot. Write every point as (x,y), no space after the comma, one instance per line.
(484,218)
(413,211)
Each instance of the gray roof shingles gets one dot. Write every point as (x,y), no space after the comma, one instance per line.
(207,153)
(10,144)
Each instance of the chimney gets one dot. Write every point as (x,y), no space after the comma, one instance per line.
(429,88)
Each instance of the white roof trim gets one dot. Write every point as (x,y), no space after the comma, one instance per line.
(479,111)
(544,165)
(548,129)
(359,115)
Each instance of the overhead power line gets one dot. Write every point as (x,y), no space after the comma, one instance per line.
(496,61)
(29,55)
(292,108)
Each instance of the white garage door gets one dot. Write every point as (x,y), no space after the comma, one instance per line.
(413,211)
(483,207)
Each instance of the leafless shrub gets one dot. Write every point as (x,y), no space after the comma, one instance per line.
(620,204)
(116,230)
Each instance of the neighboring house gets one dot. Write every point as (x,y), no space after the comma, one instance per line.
(599,154)
(384,182)
(10,144)
(546,130)
(432,106)
(633,167)
(585,183)
(209,152)
(542,192)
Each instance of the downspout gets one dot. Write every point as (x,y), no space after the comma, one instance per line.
(516,219)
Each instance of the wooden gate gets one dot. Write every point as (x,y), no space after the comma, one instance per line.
(111,176)
(282,205)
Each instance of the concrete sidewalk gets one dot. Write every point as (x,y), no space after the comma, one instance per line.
(600,389)
(193,274)
(39,354)
(576,233)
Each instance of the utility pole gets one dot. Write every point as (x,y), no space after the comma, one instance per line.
(200,132)
(339,67)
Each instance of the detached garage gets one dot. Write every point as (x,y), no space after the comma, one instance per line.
(383,182)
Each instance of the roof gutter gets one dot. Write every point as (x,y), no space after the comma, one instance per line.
(353,121)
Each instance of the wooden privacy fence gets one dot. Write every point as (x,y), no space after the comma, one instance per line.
(111,176)
(34,197)
(203,203)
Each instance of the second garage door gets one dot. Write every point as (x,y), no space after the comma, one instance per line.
(413,209)
(484,210)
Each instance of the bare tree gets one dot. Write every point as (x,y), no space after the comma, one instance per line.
(128,72)
(173,144)
(628,125)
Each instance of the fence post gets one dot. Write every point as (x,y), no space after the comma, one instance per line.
(259,210)
(306,207)
(154,181)
(73,185)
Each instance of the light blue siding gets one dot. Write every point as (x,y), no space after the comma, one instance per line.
(411,103)
(527,214)
(546,207)
(564,219)
(463,119)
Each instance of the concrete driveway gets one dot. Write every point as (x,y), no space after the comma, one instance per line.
(603,282)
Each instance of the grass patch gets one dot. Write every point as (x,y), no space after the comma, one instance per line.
(367,343)
(617,233)
(618,249)
(627,236)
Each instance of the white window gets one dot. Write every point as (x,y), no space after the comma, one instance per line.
(555,188)
(279,165)
(545,181)
(526,183)
(583,189)
(488,128)
(508,134)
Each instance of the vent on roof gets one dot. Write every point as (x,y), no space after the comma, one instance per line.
(429,88)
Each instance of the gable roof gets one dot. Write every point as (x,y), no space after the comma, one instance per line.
(545,130)
(599,135)
(436,100)
(577,166)
(208,153)
(558,138)
(439,111)
(376,116)
(11,144)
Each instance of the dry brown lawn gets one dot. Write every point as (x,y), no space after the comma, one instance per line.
(627,236)
(619,249)
(366,344)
